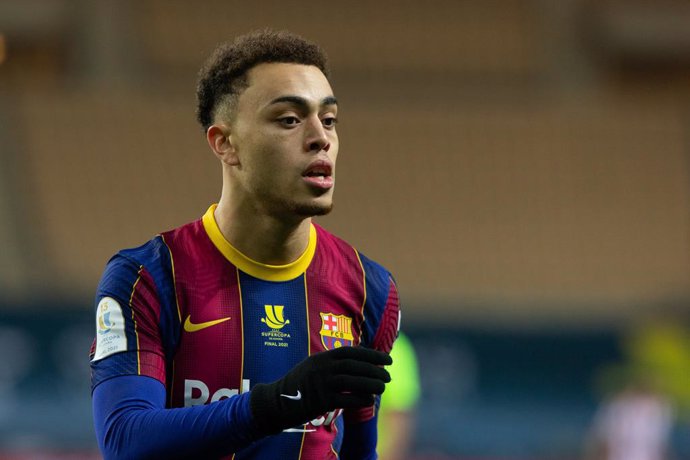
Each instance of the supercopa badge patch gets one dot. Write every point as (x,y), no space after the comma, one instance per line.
(110,329)
(336,331)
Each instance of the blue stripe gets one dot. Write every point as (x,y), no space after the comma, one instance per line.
(270,353)
(124,363)
(338,441)
(378,281)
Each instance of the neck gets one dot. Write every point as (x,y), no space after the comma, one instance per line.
(264,238)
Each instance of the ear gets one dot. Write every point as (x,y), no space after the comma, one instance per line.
(219,139)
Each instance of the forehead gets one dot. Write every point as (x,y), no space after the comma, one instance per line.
(273,80)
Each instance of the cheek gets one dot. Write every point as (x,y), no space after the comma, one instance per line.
(334,141)
(333,151)
(271,146)
(269,165)
(258,153)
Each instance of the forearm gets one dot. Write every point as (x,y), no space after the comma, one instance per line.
(131,422)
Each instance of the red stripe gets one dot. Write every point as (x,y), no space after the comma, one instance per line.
(334,283)
(147,310)
(388,328)
(211,291)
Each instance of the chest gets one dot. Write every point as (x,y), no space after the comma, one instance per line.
(237,330)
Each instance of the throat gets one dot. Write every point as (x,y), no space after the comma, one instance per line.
(266,240)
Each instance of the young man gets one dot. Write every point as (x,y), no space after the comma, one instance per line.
(251,333)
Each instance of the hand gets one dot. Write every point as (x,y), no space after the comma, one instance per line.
(343,378)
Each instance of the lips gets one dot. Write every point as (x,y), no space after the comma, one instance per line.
(319,168)
(319,175)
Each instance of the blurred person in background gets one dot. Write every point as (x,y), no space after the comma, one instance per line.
(236,333)
(635,424)
(399,402)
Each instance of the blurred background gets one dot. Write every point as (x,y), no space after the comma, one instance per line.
(521,166)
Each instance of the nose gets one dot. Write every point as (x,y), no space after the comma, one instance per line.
(316,137)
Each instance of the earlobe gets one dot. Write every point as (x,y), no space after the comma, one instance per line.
(219,139)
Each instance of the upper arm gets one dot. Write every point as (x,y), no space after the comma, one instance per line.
(381,307)
(128,338)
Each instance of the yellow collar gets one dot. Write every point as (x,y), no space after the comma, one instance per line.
(252,267)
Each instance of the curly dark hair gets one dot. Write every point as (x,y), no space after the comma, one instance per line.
(224,75)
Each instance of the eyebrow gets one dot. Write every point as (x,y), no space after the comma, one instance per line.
(302,102)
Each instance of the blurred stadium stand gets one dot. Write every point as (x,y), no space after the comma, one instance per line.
(522,166)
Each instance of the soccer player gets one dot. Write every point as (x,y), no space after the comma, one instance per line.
(251,333)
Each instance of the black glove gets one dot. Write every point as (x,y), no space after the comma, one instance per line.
(347,377)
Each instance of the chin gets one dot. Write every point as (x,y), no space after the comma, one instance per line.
(313,209)
(313,206)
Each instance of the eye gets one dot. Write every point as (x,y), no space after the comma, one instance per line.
(289,121)
(329,122)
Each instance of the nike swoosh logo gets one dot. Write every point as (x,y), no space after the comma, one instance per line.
(299,430)
(296,397)
(189,326)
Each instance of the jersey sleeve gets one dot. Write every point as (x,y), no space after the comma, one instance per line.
(381,307)
(128,339)
(381,321)
(131,422)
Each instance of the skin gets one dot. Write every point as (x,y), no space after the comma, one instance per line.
(283,122)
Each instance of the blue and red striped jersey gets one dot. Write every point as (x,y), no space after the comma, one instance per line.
(191,311)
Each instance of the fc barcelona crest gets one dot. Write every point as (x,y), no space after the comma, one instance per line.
(336,331)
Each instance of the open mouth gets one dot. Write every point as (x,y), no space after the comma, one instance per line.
(319,174)
(317,169)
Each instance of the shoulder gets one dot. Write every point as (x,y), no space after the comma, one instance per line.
(150,256)
(153,258)
(330,244)
(335,246)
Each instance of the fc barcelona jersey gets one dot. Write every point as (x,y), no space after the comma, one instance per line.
(191,311)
